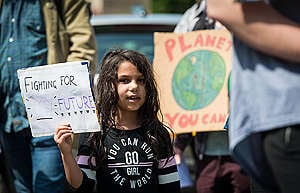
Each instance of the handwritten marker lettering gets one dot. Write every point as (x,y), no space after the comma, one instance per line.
(67,80)
(39,84)
(75,103)
(58,93)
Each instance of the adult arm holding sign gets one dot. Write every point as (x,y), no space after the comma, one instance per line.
(264,107)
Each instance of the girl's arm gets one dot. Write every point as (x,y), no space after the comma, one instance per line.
(260,26)
(63,138)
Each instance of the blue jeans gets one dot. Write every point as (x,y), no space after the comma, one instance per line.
(35,163)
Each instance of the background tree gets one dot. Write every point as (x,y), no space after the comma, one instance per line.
(171,6)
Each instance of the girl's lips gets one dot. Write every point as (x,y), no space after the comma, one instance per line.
(133,98)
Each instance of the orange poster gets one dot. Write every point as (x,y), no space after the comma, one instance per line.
(192,71)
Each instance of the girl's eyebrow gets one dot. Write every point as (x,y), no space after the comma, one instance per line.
(129,75)
(123,76)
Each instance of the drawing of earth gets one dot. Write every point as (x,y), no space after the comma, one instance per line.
(197,79)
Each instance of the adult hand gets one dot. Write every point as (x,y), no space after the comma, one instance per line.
(63,138)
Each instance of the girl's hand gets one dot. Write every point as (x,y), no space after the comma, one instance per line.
(63,138)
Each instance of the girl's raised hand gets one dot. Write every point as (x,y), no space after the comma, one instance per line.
(63,138)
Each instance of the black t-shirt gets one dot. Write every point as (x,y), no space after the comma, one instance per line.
(131,166)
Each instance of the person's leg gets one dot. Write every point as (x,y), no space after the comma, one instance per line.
(209,167)
(256,187)
(16,151)
(234,176)
(4,185)
(48,170)
(282,148)
(184,174)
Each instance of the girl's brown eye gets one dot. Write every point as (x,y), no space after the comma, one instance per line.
(141,80)
(124,80)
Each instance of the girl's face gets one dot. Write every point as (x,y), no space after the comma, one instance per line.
(130,87)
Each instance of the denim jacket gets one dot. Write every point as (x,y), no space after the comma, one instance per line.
(69,38)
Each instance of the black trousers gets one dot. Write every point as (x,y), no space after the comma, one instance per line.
(256,187)
(6,184)
(282,149)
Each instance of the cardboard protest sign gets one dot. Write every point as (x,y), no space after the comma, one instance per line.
(192,74)
(55,94)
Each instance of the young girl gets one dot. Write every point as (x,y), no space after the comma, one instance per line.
(133,151)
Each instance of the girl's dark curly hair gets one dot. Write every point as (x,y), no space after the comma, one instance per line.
(106,98)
